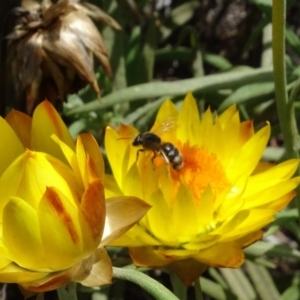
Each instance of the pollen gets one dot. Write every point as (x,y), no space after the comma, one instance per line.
(201,169)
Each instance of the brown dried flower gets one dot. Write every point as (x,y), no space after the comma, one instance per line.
(50,51)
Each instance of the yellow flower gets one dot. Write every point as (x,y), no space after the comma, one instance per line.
(53,216)
(217,204)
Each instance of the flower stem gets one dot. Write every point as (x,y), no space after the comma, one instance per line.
(198,290)
(67,292)
(154,288)
(285,106)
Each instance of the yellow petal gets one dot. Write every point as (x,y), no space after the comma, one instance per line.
(60,230)
(115,153)
(129,183)
(29,175)
(71,158)
(21,235)
(228,114)
(245,222)
(269,194)
(250,238)
(92,217)
(188,121)
(205,208)
(45,122)
(184,212)
(167,111)
(93,150)
(9,141)
(246,159)
(146,256)
(121,214)
(51,282)
(226,255)
(15,274)
(21,124)
(246,132)
(111,187)
(4,260)
(158,217)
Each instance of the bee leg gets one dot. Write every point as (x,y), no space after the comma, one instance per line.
(165,158)
(138,153)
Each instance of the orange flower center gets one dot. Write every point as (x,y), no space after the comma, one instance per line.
(201,168)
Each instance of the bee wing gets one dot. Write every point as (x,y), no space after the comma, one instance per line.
(167,126)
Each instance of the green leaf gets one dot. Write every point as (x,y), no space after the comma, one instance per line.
(265,6)
(215,290)
(210,83)
(293,291)
(114,42)
(239,283)
(180,53)
(256,33)
(261,248)
(248,92)
(141,111)
(179,16)
(263,282)
(217,61)
(293,40)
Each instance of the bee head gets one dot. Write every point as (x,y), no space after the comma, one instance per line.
(138,140)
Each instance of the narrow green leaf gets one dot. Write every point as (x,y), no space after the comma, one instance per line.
(239,283)
(215,290)
(291,293)
(248,92)
(138,113)
(265,6)
(293,40)
(184,12)
(114,41)
(217,61)
(179,16)
(213,272)
(263,282)
(210,83)
(261,248)
(182,54)
(148,49)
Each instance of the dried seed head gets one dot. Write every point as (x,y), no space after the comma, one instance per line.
(50,49)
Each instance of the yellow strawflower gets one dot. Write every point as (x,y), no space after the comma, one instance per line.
(54,219)
(217,204)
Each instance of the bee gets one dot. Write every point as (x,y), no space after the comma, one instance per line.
(152,142)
